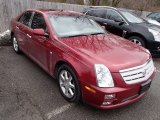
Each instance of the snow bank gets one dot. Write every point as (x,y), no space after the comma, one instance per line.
(5,38)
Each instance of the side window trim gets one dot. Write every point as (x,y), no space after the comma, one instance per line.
(18,20)
(30,21)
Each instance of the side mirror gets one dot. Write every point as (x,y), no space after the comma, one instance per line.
(118,19)
(40,32)
(121,23)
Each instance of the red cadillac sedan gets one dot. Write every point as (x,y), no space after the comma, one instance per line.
(89,63)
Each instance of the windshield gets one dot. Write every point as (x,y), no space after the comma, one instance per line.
(131,17)
(74,25)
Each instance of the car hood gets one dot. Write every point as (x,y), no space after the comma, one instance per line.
(150,25)
(113,51)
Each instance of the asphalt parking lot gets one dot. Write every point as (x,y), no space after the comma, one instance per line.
(29,93)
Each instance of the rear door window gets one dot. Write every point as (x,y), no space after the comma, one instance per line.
(25,18)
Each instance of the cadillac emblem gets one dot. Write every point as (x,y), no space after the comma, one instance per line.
(144,72)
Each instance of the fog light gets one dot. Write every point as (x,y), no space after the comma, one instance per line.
(110,96)
(158,48)
(107,103)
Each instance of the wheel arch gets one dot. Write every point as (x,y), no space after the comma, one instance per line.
(138,35)
(61,62)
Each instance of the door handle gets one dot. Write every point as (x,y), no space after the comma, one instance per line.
(29,36)
(17,27)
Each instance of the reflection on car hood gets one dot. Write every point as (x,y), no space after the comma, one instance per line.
(115,52)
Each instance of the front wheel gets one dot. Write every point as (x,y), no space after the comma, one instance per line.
(137,40)
(68,84)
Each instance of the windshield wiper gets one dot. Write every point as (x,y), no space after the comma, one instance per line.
(83,35)
(97,33)
(75,35)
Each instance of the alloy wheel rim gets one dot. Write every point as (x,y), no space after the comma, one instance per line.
(15,44)
(136,42)
(67,84)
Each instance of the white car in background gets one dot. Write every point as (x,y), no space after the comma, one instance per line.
(151,21)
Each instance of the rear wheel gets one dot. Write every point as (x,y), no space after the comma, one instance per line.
(68,84)
(137,40)
(15,44)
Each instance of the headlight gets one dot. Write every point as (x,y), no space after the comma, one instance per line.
(156,34)
(103,75)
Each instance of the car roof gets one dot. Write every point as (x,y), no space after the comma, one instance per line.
(109,7)
(103,7)
(122,9)
(54,11)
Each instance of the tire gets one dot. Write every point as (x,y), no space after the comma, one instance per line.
(69,84)
(15,44)
(137,40)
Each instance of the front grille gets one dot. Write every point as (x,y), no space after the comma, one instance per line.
(138,74)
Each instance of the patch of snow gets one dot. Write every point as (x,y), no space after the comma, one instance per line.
(7,32)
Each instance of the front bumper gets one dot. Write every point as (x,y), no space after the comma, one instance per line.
(122,104)
(125,95)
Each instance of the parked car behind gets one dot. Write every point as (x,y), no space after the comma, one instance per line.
(91,65)
(126,24)
(151,21)
(154,16)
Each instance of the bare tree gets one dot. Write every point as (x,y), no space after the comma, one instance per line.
(86,2)
(115,3)
(95,2)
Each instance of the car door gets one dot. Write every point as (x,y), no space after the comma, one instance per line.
(113,25)
(39,46)
(22,27)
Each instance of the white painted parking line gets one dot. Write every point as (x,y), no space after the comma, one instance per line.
(58,111)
